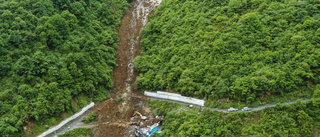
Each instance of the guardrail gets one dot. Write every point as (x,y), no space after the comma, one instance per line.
(53,129)
(174,97)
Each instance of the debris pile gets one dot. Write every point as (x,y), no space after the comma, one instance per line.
(144,131)
(114,115)
(147,131)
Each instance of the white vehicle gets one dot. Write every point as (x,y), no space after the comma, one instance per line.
(246,109)
(232,109)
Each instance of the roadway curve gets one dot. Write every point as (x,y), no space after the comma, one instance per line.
(78,124)
(226,111)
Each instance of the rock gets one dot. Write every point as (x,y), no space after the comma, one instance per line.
(143,117)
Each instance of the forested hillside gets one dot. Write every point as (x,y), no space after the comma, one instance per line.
(237,49)
(296,120)
(52,51)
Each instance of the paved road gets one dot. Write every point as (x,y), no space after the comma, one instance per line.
(78,124)
(226,111)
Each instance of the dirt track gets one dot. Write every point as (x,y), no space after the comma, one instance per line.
(115,114)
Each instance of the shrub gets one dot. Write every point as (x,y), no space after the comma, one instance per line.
(90,118)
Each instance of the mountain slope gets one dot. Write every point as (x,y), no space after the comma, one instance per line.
(242,50)
(52,52)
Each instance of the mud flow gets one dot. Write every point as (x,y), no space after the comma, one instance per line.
(115,115)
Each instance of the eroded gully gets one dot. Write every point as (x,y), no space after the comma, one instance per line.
(114,116)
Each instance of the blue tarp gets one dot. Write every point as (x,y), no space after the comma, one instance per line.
(160,132)
(153,130)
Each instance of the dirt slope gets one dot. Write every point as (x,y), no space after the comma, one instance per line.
(114,115)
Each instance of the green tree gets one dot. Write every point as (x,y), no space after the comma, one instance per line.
(236,6)
(316,97)
(304,121)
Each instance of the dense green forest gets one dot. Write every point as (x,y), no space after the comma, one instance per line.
(52,51)
(296,120)
(241,50)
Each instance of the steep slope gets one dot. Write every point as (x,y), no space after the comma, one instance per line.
(114,115)
(51,52)
(240,50)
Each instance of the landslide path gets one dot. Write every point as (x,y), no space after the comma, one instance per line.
(115,114)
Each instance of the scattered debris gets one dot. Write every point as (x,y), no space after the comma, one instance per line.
(148,130)
(135,123)
(143,117)
(116,111)
(138,133)
(139,114)
(153,130)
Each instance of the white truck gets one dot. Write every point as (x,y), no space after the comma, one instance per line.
(232,109)
(246,109)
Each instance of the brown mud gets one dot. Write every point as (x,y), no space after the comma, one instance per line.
(115,115)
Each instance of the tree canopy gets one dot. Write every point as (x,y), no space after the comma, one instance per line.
(237,49)
(52,51)
(300,119)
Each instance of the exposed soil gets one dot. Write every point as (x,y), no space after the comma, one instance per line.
(115,115)
(74,102)
(28,127)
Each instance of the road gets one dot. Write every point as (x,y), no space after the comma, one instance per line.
(226,111)
(78,124)
(273,105)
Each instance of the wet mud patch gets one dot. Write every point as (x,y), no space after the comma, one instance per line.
(115,115)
